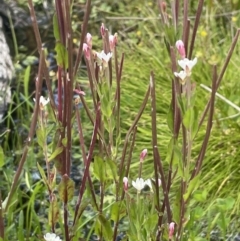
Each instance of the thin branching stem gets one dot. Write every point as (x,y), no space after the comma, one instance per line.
(84,156)
(126,175)
(138,116)
(176,92)
(89,159)
(154,133)
(129,159)
(157,158)
(195,27)
(185,24)
(83,34)
(69,84)
(209,125)
(33,125)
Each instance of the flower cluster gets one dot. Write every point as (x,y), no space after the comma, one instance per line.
(102,57)
(184,63)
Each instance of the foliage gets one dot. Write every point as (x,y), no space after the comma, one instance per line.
(114,132)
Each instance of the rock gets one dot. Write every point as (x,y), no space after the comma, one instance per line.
(6,72)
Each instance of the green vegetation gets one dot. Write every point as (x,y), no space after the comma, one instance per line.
(40,202)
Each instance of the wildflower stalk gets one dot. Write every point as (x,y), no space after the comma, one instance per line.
(92,80)
(138,216)
(89,159)
(115,229)
(186,25)
(134,133)
(176,89)
(116,108)
(31,131)
(209,125)
(154,138)
(83,34)
(84,156)
(195,27)
(138,116)
(158,162)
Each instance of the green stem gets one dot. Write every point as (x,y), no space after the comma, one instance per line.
(138,216)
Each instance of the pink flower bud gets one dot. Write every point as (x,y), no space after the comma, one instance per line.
(112,41)
(125,183)
(80,92)
(89,40)
(181,49)
(143,155)
(163,6)
(102,30)
(171,230)
(86,51)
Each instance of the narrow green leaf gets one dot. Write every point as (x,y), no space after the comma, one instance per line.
(193,184)
(56,28)
(195,123)
(150,222)
(170,150)
(196,214)
(42,173)
(1,157)
(26,80)
(79,225)
(176,207)
(106,102)
(225,204)
(53,212)
(56,153)
(66,189)
(41,137)
(177,160)
(99,167)
(118,211)
(64,141)
(56,140)
(111,170)
(21,226)
(200,195)
(106,227)
(189,118)
(181,104)
(61,56)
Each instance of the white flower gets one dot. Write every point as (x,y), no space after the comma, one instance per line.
(42,102)
(187,65)
(148,183)
(104,58)
(181,75)
(51,237)
(139,184)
